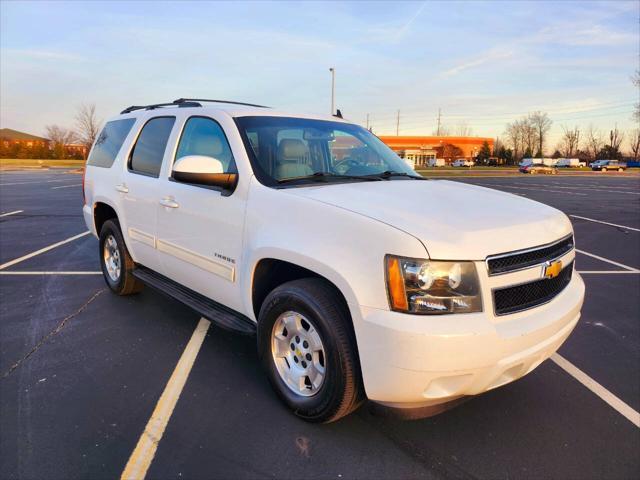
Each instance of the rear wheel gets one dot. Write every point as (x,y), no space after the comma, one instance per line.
(308,350)
(117,265)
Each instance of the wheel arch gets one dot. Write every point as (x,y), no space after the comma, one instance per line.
(102,212)
(271,272)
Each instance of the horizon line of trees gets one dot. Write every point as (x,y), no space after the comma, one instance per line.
(86,129)
(527,138)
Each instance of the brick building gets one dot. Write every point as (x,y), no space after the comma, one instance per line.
(421,149)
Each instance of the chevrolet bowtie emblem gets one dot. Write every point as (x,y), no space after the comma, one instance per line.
(552,269)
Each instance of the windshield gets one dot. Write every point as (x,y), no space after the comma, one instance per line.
(285,150)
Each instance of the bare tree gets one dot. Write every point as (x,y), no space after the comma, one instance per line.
(634,143)
(529,133)
(615,138)
(87,124)
(570,141)
(594,141)
(513,133)
(464,130)
(542,124)
(60,137)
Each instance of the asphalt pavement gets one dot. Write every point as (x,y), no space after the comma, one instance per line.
(81,370)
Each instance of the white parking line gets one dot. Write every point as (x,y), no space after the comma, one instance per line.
(598,189)
(540,190)
(50,272)
(608,272)
(42,250)
(67,186)
(11,213)
(32,183)
(621,407)
(622,265)
(145,450)
(605,223)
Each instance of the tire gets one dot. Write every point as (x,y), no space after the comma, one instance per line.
(314,303)
(117,274)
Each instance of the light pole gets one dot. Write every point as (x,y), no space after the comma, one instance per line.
(333,89)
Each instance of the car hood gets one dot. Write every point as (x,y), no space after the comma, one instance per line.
(454,221)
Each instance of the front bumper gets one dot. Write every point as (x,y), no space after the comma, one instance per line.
(412,361)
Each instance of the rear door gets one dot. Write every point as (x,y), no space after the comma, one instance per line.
(200,228)
(140,188)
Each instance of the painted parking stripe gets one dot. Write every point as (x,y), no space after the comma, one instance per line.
(605,223)
(608,272)
(538,189)
(11,213)
(145,450)
(42,250)
(51,272)
(67,186)
(613,401)
(597,257)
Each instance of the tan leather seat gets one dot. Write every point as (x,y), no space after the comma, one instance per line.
(292,158)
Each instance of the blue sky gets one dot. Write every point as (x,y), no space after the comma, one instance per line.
(483,63)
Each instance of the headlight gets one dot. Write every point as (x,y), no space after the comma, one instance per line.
(429,287)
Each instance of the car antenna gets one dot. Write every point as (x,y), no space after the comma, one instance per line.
(338,113)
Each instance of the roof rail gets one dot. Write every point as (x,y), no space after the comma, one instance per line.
(183,100)
(159,105)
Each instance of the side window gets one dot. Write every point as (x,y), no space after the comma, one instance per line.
(204,136)
(146,156)
(109,142)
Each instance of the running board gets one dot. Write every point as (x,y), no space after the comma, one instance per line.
(220,315)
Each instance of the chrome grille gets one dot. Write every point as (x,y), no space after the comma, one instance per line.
(510,262)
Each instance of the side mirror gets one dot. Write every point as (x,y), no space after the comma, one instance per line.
(203,170)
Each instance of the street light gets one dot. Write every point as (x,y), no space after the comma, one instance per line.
(333,89)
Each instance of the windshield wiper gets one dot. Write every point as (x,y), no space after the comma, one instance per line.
(387,174)
(326,176)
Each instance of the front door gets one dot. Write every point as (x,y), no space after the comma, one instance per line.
(200,228)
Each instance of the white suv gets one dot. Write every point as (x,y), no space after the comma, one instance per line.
(361,279)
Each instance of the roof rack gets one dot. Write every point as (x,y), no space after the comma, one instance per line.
(159,105)
(183,100)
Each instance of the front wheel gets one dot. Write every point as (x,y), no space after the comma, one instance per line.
(308,350)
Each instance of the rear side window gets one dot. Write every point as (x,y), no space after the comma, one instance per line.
(109,142)
(148,152)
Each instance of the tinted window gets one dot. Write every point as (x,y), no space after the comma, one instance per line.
(148,151)
(109,142)
(203,136)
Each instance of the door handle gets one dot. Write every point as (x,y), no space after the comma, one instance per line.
(122,188)
(169,202)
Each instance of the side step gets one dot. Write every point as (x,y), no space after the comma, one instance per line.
(220,315)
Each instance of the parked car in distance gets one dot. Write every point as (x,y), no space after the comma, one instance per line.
(606,165)
(436,162)
(535,168)
(549,162)
(570,163)
(263,223)
(462,162)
